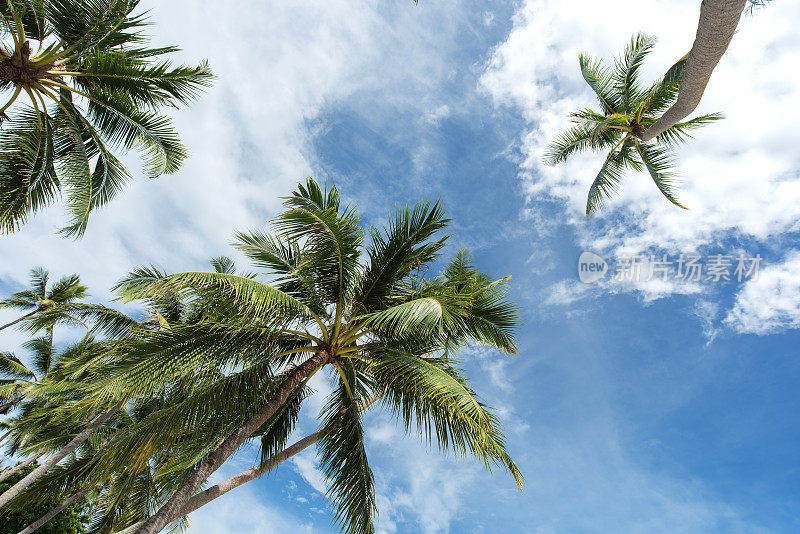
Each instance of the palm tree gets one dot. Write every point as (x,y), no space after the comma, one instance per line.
(45,306)
(45,433)
(380,325)
(626,111)
(91,83)
(47,398)
(16,377)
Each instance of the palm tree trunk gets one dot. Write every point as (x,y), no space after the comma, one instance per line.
(12,323)
(205,497)
(173,507)
(4,436)
(718,21)
(19,467)
(17,488)
(55,511)
(10,404)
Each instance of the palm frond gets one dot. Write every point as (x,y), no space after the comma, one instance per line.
(343,458)
(67,289)
(433,395)
(403,248)
(286,260)
(223,264)
(625,76)
(578,139)
(28,180)
(332,242)
(258,298)
(681,132)
(659,163)
(423,314)
(74,166)
(599,79)
(12,367)
(662,94)
(608,178)
(119,120)
(43,353)
(38,283)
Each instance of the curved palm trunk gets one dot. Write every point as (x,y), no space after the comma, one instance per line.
(7,406)
(179,500)
(718,21)
(55,511)
(17,488)
(19,467)
(205,497)
(15,321)
(4,436)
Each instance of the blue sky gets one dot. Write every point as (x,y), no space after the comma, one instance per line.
(648,407)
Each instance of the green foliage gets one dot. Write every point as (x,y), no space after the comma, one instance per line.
(626,110)
(219,346)
(72,520)
(45,307)
(93,85)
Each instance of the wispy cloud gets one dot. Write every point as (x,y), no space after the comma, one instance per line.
(771,302)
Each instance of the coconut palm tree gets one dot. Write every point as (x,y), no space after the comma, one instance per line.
(118,500)
(379,325)
(63,436)
(46,399)
(91,84)
(45,306)
(626,111)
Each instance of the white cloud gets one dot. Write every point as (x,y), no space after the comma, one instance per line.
(244,511)
(435,116)
(740,176)
(771,302)
(279,65)
(423,489)
(305,464)
(707,312)
(566,292)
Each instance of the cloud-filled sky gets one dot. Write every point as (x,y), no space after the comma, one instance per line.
(657,406)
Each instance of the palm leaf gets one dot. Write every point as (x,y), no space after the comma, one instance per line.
(28,181)
(11,366)
(145,84)
(625,77)
(680,132)
(659,162)
(394,255)
(432,393)
(120,121)
(599,79)
(42,349)
(343,458)
(608,178)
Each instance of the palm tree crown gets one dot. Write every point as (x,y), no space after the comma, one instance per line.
(45,306)
(385,330)
(91,82)
(626,110)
